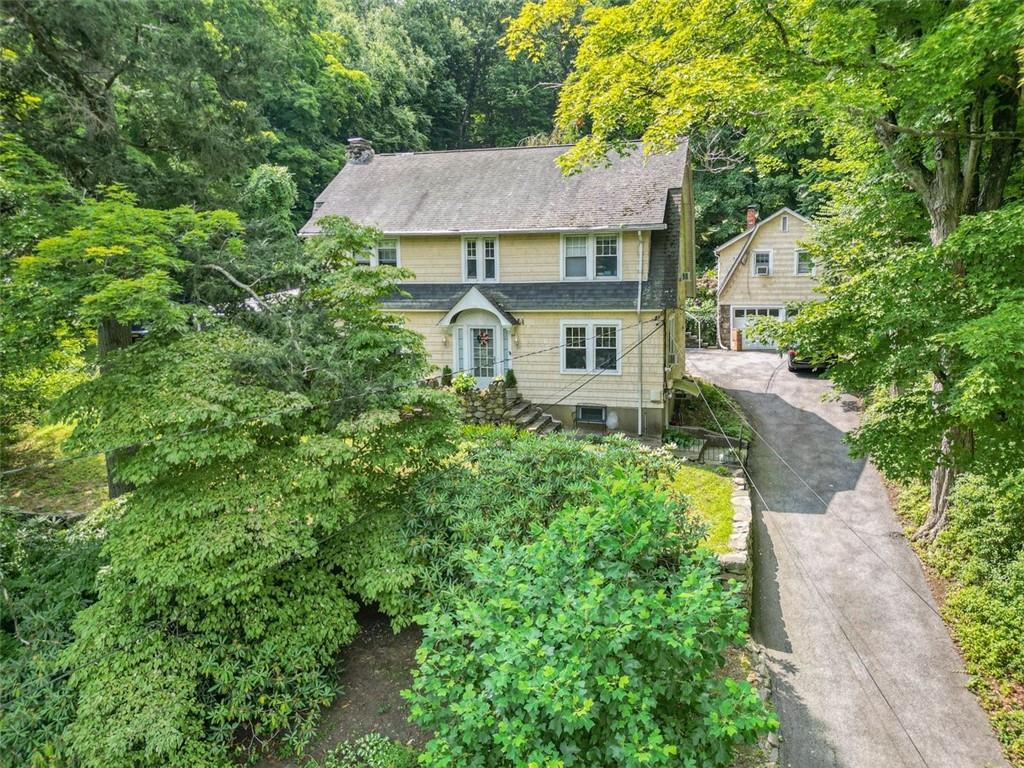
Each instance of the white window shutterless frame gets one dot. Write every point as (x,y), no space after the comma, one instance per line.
(387,251)
(591,346)
(804,263)
(480,260)
(592,257)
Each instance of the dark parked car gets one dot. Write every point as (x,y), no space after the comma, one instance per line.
(796,363)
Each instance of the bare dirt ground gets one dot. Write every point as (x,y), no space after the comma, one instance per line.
(375,669)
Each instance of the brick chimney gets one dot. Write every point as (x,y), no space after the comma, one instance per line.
(358,151)
(751,216)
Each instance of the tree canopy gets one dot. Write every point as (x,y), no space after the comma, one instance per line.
(916,106)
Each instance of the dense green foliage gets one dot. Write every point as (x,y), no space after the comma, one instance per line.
(900,315)
(982,550)
(508,481)
(230,587)
(47,575)
(178,100)
(596,644)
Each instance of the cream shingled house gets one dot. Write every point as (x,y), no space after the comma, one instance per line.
(761,271)
(575,282)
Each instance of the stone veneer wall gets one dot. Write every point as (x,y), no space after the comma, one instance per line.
(484,406)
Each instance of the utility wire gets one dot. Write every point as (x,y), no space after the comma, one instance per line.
(834,513)
(594,375)
(825,599)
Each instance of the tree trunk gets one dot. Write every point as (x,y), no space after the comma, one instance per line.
(944,200)
(112,336)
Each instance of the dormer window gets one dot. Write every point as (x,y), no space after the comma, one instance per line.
(479,259)
(591,257)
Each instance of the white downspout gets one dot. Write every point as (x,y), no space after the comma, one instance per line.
(639,334)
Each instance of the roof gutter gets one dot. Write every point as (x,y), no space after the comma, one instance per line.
(539,230)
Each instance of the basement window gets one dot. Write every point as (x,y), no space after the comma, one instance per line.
(591,414)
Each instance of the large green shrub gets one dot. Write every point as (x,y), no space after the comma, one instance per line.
(47,574)
(502,481)
(982,550)
(600,643)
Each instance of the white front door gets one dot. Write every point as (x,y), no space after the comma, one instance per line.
(483,343)
(742,315)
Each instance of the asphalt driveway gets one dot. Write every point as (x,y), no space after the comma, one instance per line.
(865,673)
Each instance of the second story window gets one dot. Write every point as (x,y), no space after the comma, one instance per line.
(480,259)
(762,263)
(591,257)
(384,252)
(387,251)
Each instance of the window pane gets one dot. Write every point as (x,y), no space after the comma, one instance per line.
(483,352)
(576,256)
(762,258)
(575,349)
(576,266)
(606,261)
(387,252)
(471,259)
(363,258)
(490,260)
(606,347)
(804,264)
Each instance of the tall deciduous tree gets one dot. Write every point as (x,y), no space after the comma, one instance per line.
(269,445)
(933,88)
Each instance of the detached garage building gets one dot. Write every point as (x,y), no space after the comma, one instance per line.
(761,271)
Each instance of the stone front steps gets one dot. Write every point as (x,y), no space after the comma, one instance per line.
(528,416)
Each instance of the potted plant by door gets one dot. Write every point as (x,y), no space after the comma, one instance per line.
(511,388)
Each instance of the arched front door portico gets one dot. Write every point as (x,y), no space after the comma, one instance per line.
(481,337)
(477,348)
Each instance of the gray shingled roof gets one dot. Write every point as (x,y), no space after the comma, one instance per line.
(500,190)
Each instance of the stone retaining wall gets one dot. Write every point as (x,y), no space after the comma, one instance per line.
(736,563)
(738,566)
(484,406)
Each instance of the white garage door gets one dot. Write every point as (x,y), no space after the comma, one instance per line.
(740,316)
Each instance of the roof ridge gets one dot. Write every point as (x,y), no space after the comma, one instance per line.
(478,149)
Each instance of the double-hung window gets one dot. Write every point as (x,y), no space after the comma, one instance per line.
(762,263)
(480,259)
(384,252)
(387,251)
(591,257)
(589,346)
(804,263)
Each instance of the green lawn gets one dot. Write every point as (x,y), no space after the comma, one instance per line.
(52,485)
(710,493)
